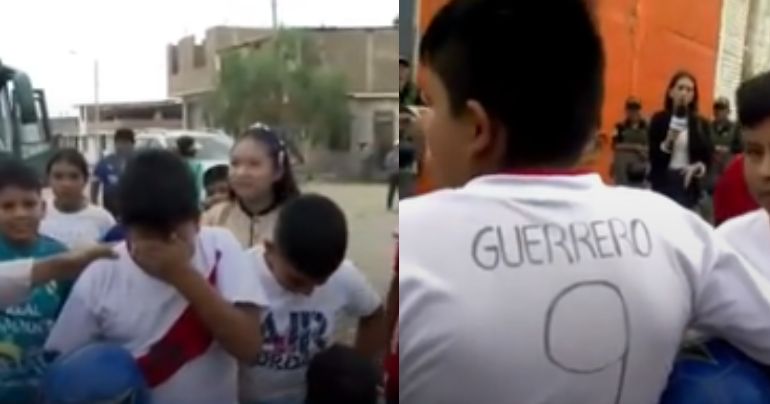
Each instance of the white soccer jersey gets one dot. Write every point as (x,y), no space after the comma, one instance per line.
(534,289)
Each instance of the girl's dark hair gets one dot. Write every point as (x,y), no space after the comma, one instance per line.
(69,156)
(286,187)
(692,109)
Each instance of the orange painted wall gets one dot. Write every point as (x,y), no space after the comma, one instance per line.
(646,41)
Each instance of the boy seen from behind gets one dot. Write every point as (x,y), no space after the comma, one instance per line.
(308,284)
(182,299)
(25,326)
(526,280)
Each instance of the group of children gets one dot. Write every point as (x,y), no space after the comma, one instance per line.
(237,304)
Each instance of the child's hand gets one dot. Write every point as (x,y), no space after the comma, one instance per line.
(166,260)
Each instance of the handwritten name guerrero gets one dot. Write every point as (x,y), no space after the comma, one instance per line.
(544,244)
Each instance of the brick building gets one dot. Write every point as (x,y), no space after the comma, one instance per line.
(367,57)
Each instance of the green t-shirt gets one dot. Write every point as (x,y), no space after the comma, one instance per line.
(197,170)
(24,327)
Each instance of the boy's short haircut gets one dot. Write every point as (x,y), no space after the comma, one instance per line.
(340,375)
(547,102)
(126,135)
(312,234)
(157,192)
(753,100)
(215,174)
(15,173)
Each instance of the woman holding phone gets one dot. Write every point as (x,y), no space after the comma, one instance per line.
(679,143)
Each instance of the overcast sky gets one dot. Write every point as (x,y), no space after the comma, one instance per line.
(57,41)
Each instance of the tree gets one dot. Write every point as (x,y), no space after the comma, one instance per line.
(283,83)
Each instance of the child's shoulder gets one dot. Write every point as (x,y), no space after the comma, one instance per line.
(116,233)
(97,211)
(217,214)
(346,274)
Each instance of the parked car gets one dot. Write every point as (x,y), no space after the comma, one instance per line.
(212,149)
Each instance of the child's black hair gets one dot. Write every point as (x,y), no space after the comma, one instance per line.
(753,101)
(312,234)
(286,187)
(547,103)
(340,375)
(72,157)
(215,174)
(14,173)
(157,192)
(126,135)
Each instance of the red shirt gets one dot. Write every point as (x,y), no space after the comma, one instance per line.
(391,362)
(731,195)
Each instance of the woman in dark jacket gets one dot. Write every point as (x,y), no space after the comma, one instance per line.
(680,143)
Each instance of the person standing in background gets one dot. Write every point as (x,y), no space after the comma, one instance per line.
(680,145)
(110,168)
(630,141)
(726,136)
(408,93)
(391,166)
(407,167)
(188,149)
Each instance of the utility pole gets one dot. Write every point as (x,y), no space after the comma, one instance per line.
(97,107)
(274,10)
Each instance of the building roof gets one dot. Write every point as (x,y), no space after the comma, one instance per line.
(133,104)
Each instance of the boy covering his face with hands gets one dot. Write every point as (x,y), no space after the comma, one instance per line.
(180,298)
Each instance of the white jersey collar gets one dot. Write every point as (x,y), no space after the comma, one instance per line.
(531,181)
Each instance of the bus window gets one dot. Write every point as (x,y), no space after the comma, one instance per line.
(35,139)
(6,124)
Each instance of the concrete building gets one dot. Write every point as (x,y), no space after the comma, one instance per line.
(367,57)
(744,43)
(65,125)
(136,115)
